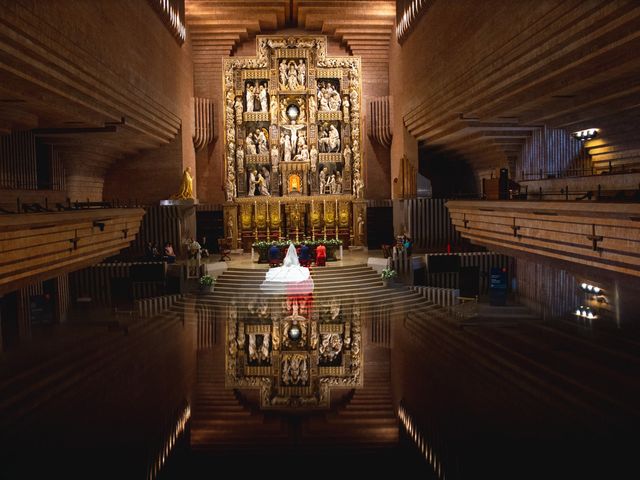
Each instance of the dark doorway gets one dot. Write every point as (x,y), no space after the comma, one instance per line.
(469,281)
(379,227)
(210,225)
(450,174)
(41,307)
(44,174)
(9,320)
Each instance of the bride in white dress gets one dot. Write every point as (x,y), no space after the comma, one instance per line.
(290,278)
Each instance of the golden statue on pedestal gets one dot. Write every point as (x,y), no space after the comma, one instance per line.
(186,187)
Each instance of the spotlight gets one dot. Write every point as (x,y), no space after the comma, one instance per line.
(590,315)
(578,311)
(584,135)
(596,289)
(589,287)
(584,286)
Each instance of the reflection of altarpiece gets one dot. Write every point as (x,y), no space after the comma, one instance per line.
(291,352)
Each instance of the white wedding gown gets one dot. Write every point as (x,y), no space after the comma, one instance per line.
(290,278)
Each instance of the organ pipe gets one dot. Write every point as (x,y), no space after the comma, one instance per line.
(204,122)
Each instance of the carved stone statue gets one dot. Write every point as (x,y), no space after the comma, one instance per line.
(293,135)
(292,77)
(346,157)
(267,178)
(230,228)
(285,141)
(253,181)
(261,140)
(323,179)
(334,139)
(249,144)
(337,187)
(313,156)
(240,158)
(275,156)
(358,185)
(230,187)
(238,109)
(304,153)
(345,109)
(262,96)
(313,107)
(283,70)
(274,109)
(360,228)
(262,185)
(250,97)
(331,184)
(302,72)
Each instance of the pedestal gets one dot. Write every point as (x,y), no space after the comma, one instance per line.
(186,209)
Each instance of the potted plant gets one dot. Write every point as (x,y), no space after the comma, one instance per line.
(206,283)
(387,275)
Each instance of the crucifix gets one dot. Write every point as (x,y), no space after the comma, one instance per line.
(595,238)
(75,240)
(515,227)
(293,129)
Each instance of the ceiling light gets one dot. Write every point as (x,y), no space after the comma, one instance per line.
(584,135)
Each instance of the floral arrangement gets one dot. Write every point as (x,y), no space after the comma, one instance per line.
(207,280)
(389,273)
(332,242)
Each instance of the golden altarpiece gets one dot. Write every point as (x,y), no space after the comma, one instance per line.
(292,132)
(293,164)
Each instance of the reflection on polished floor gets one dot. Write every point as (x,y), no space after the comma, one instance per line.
(112,386)
(239,377)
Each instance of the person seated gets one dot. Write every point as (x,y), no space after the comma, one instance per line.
(204,252)
(273,255)
(305,255)
(321,255)
(148,252)
(169,254)
(407,245)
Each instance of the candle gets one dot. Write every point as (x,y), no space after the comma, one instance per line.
(335,218)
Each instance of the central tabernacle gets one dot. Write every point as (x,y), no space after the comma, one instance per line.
(292,131)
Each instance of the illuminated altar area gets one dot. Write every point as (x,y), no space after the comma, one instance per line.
(292,133)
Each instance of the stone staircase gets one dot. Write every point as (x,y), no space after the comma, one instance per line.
(220,422)
(358,282)
(361,423)
(367,423)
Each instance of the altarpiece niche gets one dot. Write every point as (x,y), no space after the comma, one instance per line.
(292,132)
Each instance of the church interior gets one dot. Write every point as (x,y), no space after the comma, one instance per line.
(360,236)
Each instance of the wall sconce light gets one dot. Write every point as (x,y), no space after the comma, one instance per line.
(584,135)
(590,288)
(585,312)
